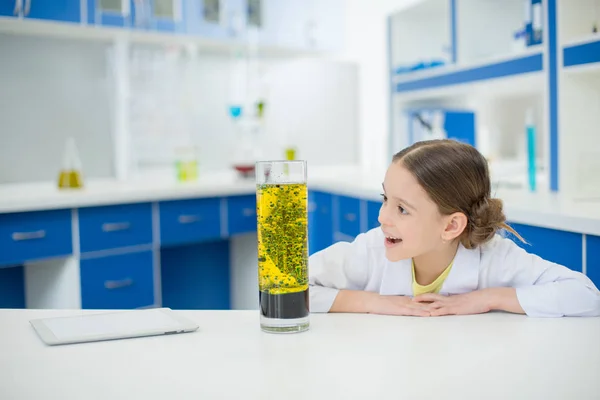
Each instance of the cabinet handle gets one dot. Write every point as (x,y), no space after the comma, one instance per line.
(248,212)
(117,226)
(18,7)
(27,7)
(19,236)
(188,219)
(350,217)
(111,285)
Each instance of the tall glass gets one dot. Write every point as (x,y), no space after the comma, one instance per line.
(281,211)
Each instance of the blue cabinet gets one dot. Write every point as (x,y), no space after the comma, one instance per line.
(123,281)
(216,19)
(346,218)
(35,235)
(111,227)
(196,277)
(241,214)
(320,221)
(456,124)
(373,208)
(561,247)
(8,8)
(115,13)
(189,221)
(159,15)
(593,258)
(55,10)
(12,287)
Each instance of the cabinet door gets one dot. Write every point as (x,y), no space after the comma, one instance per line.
(55,10)
(12,287)
(167,15)
(196,277)
(593,258)
(123,281)
(8,8)
(561,247)
(109,12)
(215,19)
(320,221)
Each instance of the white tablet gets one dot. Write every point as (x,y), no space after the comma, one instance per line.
(110,326)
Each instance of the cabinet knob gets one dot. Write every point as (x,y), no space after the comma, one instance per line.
(351,217)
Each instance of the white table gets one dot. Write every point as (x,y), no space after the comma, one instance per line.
(492,356)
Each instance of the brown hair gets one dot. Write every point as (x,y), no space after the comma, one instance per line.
(456,177)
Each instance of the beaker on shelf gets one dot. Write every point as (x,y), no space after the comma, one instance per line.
(282,229)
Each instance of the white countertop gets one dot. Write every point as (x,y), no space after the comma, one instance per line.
(490,356)
(540,209)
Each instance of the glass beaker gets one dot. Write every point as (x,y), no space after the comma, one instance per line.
(281,211)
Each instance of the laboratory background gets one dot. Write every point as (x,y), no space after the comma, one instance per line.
(130,131)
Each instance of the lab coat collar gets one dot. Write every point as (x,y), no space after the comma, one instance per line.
(463,277)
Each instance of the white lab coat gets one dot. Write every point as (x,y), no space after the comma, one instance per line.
(544,289)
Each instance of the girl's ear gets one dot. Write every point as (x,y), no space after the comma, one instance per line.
(455,225)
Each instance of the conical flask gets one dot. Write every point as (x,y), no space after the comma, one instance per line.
(70,175)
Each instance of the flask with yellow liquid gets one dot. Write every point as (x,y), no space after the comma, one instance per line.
(70,176)
(281,210)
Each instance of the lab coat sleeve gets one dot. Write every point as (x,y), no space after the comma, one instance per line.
(340,266)
(544,288)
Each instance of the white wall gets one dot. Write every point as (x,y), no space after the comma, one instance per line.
(366,44)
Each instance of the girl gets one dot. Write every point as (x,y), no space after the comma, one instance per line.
(437,251)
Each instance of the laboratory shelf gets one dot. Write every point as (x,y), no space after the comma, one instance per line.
(585,52)
(513,74)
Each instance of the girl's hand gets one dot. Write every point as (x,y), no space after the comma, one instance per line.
(477,302)
(398,305)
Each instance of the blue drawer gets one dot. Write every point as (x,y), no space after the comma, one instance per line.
(241,214)
(373,208)
(123,281)
(561,247)
(110,227)
(189,221)
(348,216)
(35,235)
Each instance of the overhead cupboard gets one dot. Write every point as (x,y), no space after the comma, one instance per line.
(528,71)
(290,25)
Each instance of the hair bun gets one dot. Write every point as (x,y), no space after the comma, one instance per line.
(485,219)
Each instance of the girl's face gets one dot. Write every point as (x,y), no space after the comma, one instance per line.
(410,220)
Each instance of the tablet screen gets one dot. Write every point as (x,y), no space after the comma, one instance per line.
(112,324)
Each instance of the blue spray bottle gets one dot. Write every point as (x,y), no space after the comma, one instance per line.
(530,132)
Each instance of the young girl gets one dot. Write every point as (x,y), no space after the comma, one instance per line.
(437,251)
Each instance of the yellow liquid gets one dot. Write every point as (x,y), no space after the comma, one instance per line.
(282,238)
(70,179)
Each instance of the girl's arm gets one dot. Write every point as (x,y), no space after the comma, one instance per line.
(542,288)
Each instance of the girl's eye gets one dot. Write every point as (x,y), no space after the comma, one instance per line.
(384,197)
(402,210)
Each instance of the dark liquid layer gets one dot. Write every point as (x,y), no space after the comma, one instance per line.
(286,306)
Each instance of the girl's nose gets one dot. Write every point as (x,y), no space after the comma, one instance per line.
(383,215)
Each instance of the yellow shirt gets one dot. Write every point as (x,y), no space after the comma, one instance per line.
(433,287)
